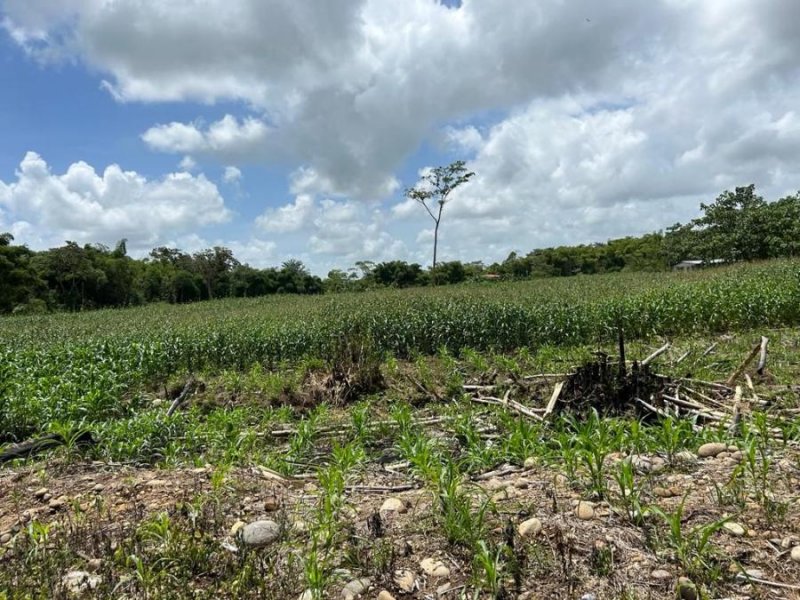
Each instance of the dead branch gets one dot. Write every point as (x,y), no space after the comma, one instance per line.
(762,359)
(740,369)
(656,354)
(553,399)
(182,396)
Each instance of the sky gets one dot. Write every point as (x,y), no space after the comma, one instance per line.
(290,128)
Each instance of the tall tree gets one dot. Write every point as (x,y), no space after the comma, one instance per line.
(433,192)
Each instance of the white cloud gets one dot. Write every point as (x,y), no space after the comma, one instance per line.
(288,218)
(232,175)
(226,138)
(581,121)
(85,206)
(187,163)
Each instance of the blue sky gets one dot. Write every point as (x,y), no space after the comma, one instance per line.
(580,124)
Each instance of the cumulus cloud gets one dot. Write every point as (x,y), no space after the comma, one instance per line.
(232,175)
(187,163)
(86,206)
(580,121)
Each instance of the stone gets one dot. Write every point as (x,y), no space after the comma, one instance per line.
(529,528)
(76,583)
(307,595)
(405,580)
(686,589)
(355,588)
(584,511)
(667,492)
(529,463)
(750,574)
(57,503)
(40,492)
(434,568)
(260,533)
(589,596)
(796,554)
(5,538)
(734,528)
(384,595)
(94,564)
(98,487)
(272,503)
(711,449)
(660,575)
(391,505)
(685,457)
(645,464)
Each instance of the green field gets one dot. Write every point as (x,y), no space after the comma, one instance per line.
(307,399)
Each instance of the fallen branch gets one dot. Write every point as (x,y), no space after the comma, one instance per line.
(740,369)
(656,354)
(520,408)
(181,397)
(709,350)
(683,356)
(553,399)
(762,359)
(737,400)
(30,448)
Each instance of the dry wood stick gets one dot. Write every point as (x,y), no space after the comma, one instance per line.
(762,359)
(710,349)
(740,369)
(656,354)
(181,397)
(554,398)
(737,400)
(683,356)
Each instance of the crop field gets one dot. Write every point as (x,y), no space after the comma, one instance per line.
(497,440)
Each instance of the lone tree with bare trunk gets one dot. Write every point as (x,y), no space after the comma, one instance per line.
(433,189)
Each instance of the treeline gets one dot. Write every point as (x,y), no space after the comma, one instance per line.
(74,277)
(738,225)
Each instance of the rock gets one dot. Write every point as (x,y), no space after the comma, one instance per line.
(737,456)
(94,564)
(384,595)
(529,463)
(434,568)
(57,503)
(156,483)
(589,596)
(584,511)
(442,589)
(750,574)
(307,595)
(667,492)
(355,588)
(796,554)
(529,528)
(5,538)
(711,449)
(734,528)
(645,464)
(98,487)
(272,503)
(685,457)
(77,582)
(686,590)
(405,581)
(391,505)
(660,575)
(299,526)
(260,533)
(40,492)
